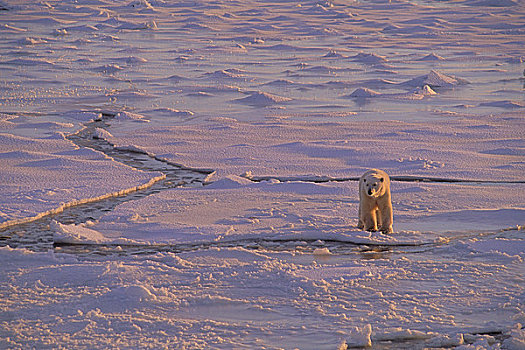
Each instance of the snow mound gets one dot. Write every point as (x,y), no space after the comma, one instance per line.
(506,151)
(503,104)
(131,293)
(230,182)
(281,82)
(360,337)
(432,57)
(31,41)
(400,334)
(229,74)
(262,99)
(347,271)
(131,60)
(102,134)
(171,113)
(445,341)
(334,54)
(124,116)
(108,68)
(369,58)
(425,91)
(74,234)
(322,251)
(436,79)
(364,93)
(132,148)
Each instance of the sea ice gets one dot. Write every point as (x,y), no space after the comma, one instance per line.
(516,340)
(31,167)
(360,337)
(290,148)
(236,263)
(76,234)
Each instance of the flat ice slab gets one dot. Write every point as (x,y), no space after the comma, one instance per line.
(234,209)
(484,148)
(46,174)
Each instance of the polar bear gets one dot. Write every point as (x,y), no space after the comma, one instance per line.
(375,201)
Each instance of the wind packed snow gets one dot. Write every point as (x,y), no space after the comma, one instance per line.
(287,102)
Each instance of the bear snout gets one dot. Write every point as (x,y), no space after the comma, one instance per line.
(369,191)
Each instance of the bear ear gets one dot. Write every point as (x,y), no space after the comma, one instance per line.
(382,180)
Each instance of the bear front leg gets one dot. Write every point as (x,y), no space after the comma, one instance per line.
(378,218)
(361,222)
(370,219)
(387,217)
(367,215)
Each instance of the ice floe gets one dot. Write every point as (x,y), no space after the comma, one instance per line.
(266,254)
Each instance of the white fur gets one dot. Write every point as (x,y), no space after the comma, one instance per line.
(375,202)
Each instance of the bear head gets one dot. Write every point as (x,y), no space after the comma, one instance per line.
(373,185)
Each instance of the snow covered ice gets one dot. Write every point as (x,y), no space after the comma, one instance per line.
(113,114)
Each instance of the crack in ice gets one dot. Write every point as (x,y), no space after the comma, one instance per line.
(400,178)
(34,233)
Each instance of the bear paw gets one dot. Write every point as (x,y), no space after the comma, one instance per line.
(387,230)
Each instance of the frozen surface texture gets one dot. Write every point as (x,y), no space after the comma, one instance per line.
(484,148)
(45,174)
(231,210)
(231,297)
(289,93)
